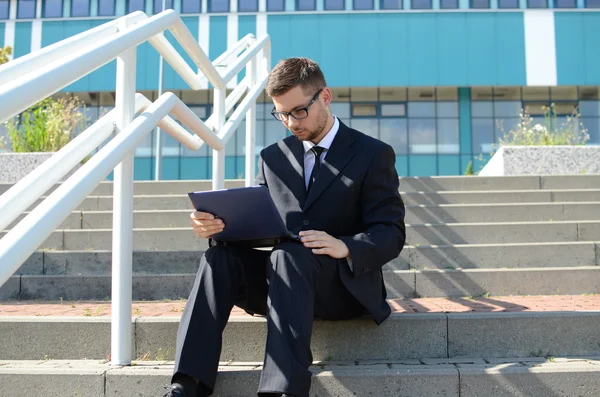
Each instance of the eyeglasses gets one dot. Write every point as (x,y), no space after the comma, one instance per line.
(297,114)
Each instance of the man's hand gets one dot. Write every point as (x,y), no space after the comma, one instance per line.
(324,244)
(205,224)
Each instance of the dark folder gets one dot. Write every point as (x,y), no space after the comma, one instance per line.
(249,215)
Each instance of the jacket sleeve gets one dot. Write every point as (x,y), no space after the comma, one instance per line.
(260,178)
(382,213)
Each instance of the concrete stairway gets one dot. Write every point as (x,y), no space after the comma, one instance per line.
(470,238)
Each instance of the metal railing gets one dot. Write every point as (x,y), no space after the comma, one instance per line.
(33,77)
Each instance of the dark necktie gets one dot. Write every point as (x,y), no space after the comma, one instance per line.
(317,150)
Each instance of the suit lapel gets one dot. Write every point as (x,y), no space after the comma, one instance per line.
(293,152)
(338,156)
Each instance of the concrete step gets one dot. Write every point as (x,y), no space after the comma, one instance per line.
(468,377)
(436,328)
(399,284)
(182,201)
(472,256)
(434,214)
(438,234)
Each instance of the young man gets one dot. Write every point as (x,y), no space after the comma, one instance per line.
(335,187)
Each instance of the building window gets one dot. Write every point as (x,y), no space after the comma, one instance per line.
(247,5)
(218,5)
(391,4)
(363,5)
(448,4)
(275,5)
(80,8)
(592,3)
(53,8)
(135,5)
(191,7)
(331,5)
(537,3)
(106,8)
(25,9)
(306,5)
(4,9)
(565,4)
(420,4)
(158,5)
(480,3)
(508,3)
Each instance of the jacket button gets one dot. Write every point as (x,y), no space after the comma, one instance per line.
(363,270)
(305,222)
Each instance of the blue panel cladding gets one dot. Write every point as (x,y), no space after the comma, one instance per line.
(464,109)
(218,36)
(402,166)
(176,81)
(423,165)
(2,28)
(336,49)
(570,47)
(510,49)
(195,168)
(448,165)
(246,24)
(365,46)
(22,39)
(143,168)
(452,49)
(423,49)
(393,62)
(591,32)
(481,64)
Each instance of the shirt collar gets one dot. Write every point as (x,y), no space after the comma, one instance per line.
(327,139)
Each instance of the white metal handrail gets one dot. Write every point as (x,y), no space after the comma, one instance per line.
(36,76)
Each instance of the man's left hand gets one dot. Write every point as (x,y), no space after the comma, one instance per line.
(324,244)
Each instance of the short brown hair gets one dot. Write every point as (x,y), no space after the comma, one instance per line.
(291,72)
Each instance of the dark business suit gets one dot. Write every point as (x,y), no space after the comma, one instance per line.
(354,198)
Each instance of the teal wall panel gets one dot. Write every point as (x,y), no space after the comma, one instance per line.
(143,168)
(305,32)
(448,165)
(22,39)
(452,49)
(364,62)
(464,119)
(170,168)
(335,63)
(218,36)
(510,47)
(195,168)
(481,31)
(246,24)
(570,47)
(422,165)
(2,28)
(402,166)
(591,32)
(393,66)
(423,53)
(176,82)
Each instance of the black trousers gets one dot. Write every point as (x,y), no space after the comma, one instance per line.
(290,285)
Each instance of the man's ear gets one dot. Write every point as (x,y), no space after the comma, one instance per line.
(326,96)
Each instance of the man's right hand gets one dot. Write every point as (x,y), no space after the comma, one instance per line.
(205,224)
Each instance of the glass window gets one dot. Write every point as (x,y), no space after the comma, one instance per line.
(588,93)
(306,5)
(275,5)
(335,4)
(366,126)
(340,109)
(391,4)
(135,5)
(80,8)
(592,3)
(393,109)
(248,5)
(449,4)
(589,108)
(191,6)
(4,9)
(53,8)
(507,108)
(395,133)
(593,129)
(274,131)
(448,137)
(364,109)
(483,135)
(447,109)
(420,4)
(422,137)
(421,109)
(158,5)
(565,4)
(482,109)
(480,3)
(537,4)
(26,9)
(508,3)
(218,5)
(502,126)
(106,8)
(363,5)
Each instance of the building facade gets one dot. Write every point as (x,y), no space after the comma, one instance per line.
(439,80)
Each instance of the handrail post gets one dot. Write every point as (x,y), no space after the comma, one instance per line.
(122,243)
(251,71)
(218,161)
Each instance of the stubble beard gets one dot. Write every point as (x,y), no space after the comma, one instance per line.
(317,128)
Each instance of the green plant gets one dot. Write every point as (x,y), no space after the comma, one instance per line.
(552,131)
(4,54)
(46,126)
(469,169)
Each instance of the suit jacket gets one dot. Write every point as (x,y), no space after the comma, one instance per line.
(354,198)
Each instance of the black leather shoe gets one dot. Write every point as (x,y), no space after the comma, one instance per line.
(175,391)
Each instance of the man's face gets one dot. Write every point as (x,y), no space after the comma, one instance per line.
(310,128)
